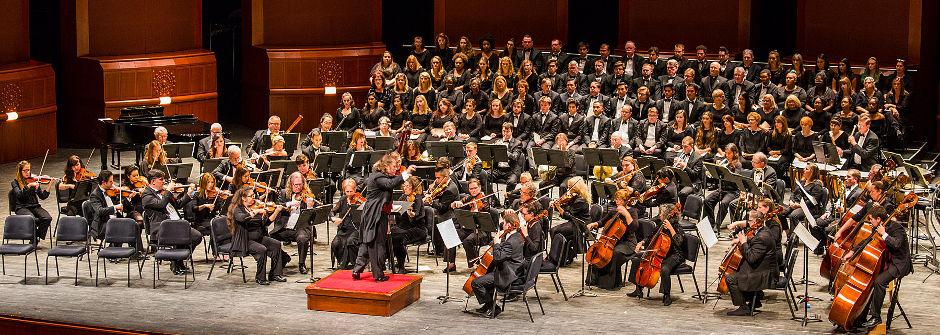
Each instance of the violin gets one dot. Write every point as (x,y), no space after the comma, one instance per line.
(435,191)
(651,192)
(476,203)
(647,274)
(624,180)
(537,218)
(123,191)
(259,186)
(40,179)
(140,182)
(564,199)
(218,193)
(269,206)
(84,175)
(732,260)
(601,252)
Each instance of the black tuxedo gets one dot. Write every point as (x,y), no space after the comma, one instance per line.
(710,84)
(534,55)
(693,109)
(642,131)
(603,129)
(614,81)
(665,79)
(507,266)
(869,152)
(674,106)
(747,88)
(632,126)
(752,73)
(572,126)
(587,107)
(561,60)
(555,96)
(655,88)
(580,82)
(155,212)
(546,126)
(258,145)
(700,67)
(611,109)
(521,125)
(372,228)
(759,268)
(102,211)
(640,108)
(638,62)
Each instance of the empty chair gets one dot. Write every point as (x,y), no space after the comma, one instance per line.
(118,231)
(555,255)
(21,228)
(70,229)
(173,233)
(222,243)
(692,209)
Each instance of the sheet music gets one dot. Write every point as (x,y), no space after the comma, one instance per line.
(395,208)
(809,216)
(705,231)
(808,196)
(805,236)
(448,233)
(292,220)
(171,211)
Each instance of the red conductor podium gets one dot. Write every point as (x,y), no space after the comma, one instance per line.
(338,292)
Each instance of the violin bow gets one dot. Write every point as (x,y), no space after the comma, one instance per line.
(43,166)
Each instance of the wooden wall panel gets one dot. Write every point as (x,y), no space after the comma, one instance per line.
(543,19)
(664,23)
(14,35)
(27,88)
(122,27)
(859,29)
(322,22)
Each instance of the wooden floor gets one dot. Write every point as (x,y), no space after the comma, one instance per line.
(225,305)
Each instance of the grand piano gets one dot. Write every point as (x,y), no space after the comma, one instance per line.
(133,130)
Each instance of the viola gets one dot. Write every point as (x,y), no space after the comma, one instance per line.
(601,252)
(269,206)
(732,260)
(647,274)
(140,182)
(651,192)
(218,193)
(84,175)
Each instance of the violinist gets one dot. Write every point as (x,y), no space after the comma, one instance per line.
(211,146)
(759,267)
(727,192)
(630,177)
(356,144)
(472,239)
(674,257)
(206,203)
(877,197)
(106,206)
(295,198)
(609,277)
(574,206)
(440,195)
(384,179)
(304,167)
(665,180)
(160,204)
(812,187)
(131,178)
(346,242)
(155,157)
(226,169)
(472,166)
(897,265)
(413,152)
(508,172)
(247,224)
(239,179)
(507,265)
(411,227)
(276,150)
(74,173)
(27,193)
(531,228)
(258,145)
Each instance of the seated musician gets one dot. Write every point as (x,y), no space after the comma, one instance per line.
(385,128)
(515,195)
(413,153)
(727,192)
(449,133)
(313,143)
(532,231)
(442,192)
(131,178)
(813,188)
(472,239)
(204,149)
(617,142)
(258,145)
(866,147)
(471,167)
(357,144)
(897,265)
(572,125)
(161,204)
(345,244)
(758,269)
(690,161)
(160,135)
(597,127)
(295,197)
(630,177)
(275,152)
(74,173)
(409,228)
(849,197)
(26,199)
(105,207)
(240,178)
(248,226)
(544,125)
(876,197)
(667,194)
(836,136)
(574,206)
(649,135)
(225,172)
(206,204)
(674,257)
(303,166)
(508,172)
(562,173)
(506,267)
(154,157)
(609,277)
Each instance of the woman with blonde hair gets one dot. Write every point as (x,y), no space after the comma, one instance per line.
(347,115)
(507,71)
(412,70)
(528,74)
(424,89)
(154,155)
(574,206)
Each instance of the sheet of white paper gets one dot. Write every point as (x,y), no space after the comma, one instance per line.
(395,208)
(424,268)
(172,213)
(448,233)
(292,220)
(805,236)
(809,216)
(705,231)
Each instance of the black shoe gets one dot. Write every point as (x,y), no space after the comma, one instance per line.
(303,269)
(512,297)
(285,258)
(872,321)
(401,269)
(497,311)
(638,293)
(262,282)
(667,300)
(355,275)
(381,279)
(279,279)
(741,311)
(450,269)
(484,309)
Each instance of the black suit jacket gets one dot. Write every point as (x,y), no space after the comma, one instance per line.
(101,209)
(546,125)
(655,88)
(870,151)
(378,193)
(441,203)
(603,133)
(694,109)
(632,127)
(899,254)
(155,207)
(710,84)
(759,268)
(638,62)
(509,259)
(643,129)
(257,143)
(574,131)
(674,106)
(561,60)
(694,168)
(522,126)
(580,82)
(640,108)
(611,108)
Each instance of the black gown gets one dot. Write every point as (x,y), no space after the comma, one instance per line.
(610,276)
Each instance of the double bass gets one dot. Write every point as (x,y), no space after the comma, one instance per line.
(860,272)
(732,260)
(601,252)
(647,273)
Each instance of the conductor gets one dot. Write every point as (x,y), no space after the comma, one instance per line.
(378,193)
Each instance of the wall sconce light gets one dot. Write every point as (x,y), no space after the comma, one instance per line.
(12,116)
(329,90)
(165,100)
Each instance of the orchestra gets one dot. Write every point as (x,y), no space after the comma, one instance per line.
(665,151)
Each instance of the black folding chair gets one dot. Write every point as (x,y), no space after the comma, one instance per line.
(692,243)
(70,229)
(21,228)
(692,209)
(557,253)
(173,233)
(118,231)
(531,278)
(222,243)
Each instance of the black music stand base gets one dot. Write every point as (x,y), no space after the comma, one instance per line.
(582,292)
(446,297)
(705,295)
(802,301)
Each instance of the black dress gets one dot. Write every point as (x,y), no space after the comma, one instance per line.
(399,119)
(610,276)
(803,145)
(793,117)
(349,122)
(841,141)
(577,209)
(848,123)
(370,119)
(472,126)
(494,125)
(722,139)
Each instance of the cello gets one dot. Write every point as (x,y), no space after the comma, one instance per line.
(732,260)
(647,273)
(601,252)
(486,261)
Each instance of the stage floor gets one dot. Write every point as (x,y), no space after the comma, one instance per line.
(225,305)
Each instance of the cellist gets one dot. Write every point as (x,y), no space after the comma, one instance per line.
(876,192)
(758,269)
(674,257)
(897,265)
(609,277)
(506,267)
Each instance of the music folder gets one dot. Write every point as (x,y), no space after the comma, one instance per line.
(400,207)
(377,155)
(604,190)
(475,220)
(551,157)
(682,177)
(335,140)
(179,149)
(360,159)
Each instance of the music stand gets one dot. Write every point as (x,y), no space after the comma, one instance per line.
(601,157)
(360,159)
(309,218)
(377,155)
(655,165)
(335,139)
(586,237)
(268,177)
(604,190)
(436,149)
(291,142)
(481,221)
(237,144)
(424,172)
(179,149)
(398,208)
(826,154)
(209,165)
(381,142)
(495,153)
(286,165)
(682,177)
(179,170)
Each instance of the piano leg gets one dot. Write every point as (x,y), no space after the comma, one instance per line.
(104,157)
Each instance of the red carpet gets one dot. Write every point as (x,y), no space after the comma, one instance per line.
(342,280)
